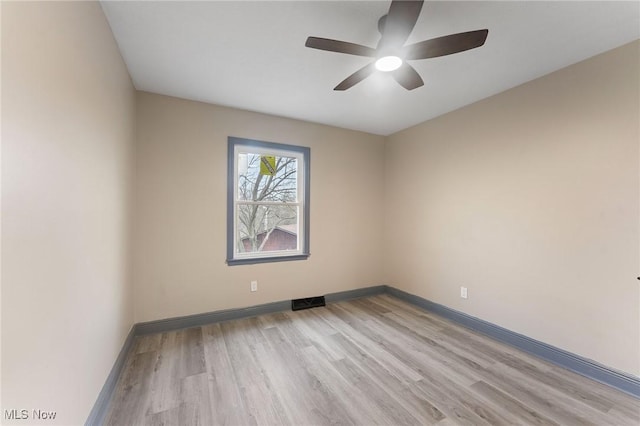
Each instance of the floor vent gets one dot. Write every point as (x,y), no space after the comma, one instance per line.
(309,302)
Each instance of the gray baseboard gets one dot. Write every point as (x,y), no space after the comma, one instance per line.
(355,294)
(177,323)
(99,410)
(583,366)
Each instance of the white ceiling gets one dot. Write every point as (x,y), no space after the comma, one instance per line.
(251,54)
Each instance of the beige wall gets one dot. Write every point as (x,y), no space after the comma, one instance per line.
(529,199)
(180,210)
(67,136)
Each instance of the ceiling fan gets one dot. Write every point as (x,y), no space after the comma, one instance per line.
(391,53)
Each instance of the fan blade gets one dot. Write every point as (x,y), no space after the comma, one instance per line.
(407,77)
(399,23)
(356,77)
(446,45)
(339,46)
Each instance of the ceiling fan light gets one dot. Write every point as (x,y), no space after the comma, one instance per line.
(388,63)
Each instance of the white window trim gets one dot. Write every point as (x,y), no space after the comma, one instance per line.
(302,154)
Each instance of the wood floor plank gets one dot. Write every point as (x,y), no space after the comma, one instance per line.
(422,353)
(169,370)
(192,403)
(360,410)
(226,401)
(147,343)
(394,364)
(287,326)
(517,411)
(442,343)
(371,306)
(308,399)
(420,408)
(549,378)
(622,402)
(131,400)
(271,320)
(447,405)
(392,413)
(623,417)
(261,404)
(541,397)
(318,332)
(396,305)
(311,318)
(171,416)
(376,360)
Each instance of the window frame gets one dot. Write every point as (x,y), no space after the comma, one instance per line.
(303,154)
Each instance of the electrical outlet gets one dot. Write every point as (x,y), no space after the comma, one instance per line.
(254,285)
(463,292)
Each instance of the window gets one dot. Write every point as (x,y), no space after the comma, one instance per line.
(267,202)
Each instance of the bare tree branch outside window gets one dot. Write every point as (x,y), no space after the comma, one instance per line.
(266,200)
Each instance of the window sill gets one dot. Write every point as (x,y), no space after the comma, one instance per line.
(250,261)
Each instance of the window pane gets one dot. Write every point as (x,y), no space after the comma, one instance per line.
(263,228)
(276,180)
(267,195)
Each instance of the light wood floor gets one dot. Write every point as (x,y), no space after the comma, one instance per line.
(369,361)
